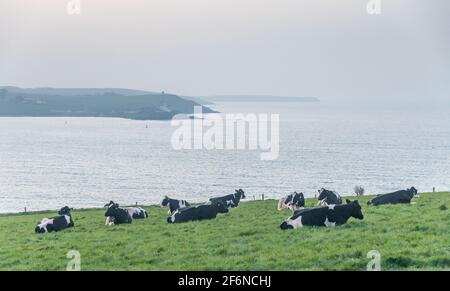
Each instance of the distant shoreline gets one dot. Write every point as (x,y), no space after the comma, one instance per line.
(258,98)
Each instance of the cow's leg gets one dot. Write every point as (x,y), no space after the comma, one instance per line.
(329,224)
(109,221)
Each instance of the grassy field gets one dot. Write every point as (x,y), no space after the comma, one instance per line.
(408,237)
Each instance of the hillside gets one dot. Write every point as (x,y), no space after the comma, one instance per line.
(120,103)
(408,237)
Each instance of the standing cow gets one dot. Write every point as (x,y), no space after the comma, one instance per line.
(57,223)
(231,200)
(399,197)
(174,204)
(327,197)
(329,216)
(294,201)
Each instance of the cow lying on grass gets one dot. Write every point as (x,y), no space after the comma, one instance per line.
(174,204)
(329,216)
(57,223)
(402,196)
(231,200)
(116,215)
(294,201)
(202,212)
(327,197)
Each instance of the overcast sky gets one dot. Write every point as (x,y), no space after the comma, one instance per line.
(325,48)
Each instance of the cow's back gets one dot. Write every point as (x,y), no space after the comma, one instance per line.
(185,214)
(392,198)
(206,212)
(312,216)
(223,199)
(61,222)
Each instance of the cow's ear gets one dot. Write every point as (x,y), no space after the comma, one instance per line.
(348,201)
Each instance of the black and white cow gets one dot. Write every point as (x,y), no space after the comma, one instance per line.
(202,212)
(62,221)
(327,197)
(174,204)
(134,212)
(402,196)
(329,216)
(294,201)
(116,215)
(231,200)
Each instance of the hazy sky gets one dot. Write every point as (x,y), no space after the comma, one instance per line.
(324,48)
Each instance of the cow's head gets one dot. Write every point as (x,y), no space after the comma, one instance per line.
(289,199)
(111,203)
(240,193)
(112,209)
(413,191)
(356,211)
(322,194)
(65,211)
(165,201)
(298,198)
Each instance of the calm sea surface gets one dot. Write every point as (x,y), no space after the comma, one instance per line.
(46,163)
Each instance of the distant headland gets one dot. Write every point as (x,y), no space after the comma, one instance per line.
(94,102)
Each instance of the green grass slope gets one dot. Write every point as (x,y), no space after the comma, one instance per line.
(408,237)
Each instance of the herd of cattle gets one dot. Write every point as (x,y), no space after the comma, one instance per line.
(331,211)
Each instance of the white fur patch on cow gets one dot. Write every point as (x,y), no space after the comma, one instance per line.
(44,223)
(109,221)
(329,224)
(172,217)
(67,217)
(295,223)
(331,206)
